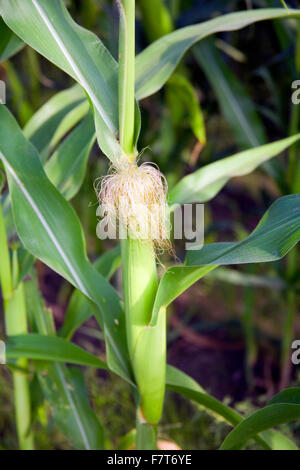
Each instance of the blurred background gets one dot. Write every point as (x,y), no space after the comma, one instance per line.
(233,330)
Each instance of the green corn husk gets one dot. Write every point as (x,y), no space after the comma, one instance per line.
(147,345)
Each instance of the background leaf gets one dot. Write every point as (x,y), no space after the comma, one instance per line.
(80,309)
(44,124)
(204,184)
(67,166)
(236,105)
(155,64)
(183,91)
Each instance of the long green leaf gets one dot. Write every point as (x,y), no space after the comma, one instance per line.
(64,170)
(47,27)
(275,235)
(174,282)
(204,184)
(157,62)
(181,383)
(235,103)
(50,230)
(72,118)
(66,167)
(65,390)
(238,278)
(283,408)
(80,309)
(62,387)
(43,125)
(49,348)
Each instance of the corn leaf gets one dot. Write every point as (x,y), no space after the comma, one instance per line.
(49,348)
(157,62)
(276,234)
(54,235)
(238,278)
(47,27)
(204,184)
(181,383)
(80,309)
(145,436)
(156,18)
(236,105)
(63,170)
(283,408)
(72,118)
(65,390)
(181,90)
(66,167)
(10,44)
(44,124)
(62,387)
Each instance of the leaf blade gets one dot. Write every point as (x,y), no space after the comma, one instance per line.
(64,389)
(48,28)
(62,250)
(266,418)
(157,62)
(50,348)
(276,234)
(205,183)
(181,383)
(10,44)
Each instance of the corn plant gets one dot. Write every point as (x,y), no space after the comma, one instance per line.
(44,171)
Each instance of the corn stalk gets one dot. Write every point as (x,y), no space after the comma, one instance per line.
(16,323)
(146,345)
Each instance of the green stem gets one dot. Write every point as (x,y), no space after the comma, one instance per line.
(288,336)
(145,434)
(16,323)
(146,345)
(127,76)
(294,165)
(5,268)
(293,256)
(251,350)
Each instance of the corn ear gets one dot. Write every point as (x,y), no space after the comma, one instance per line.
(147,345)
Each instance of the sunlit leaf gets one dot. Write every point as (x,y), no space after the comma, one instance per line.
(55,236)
(204,184)
(275,235)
